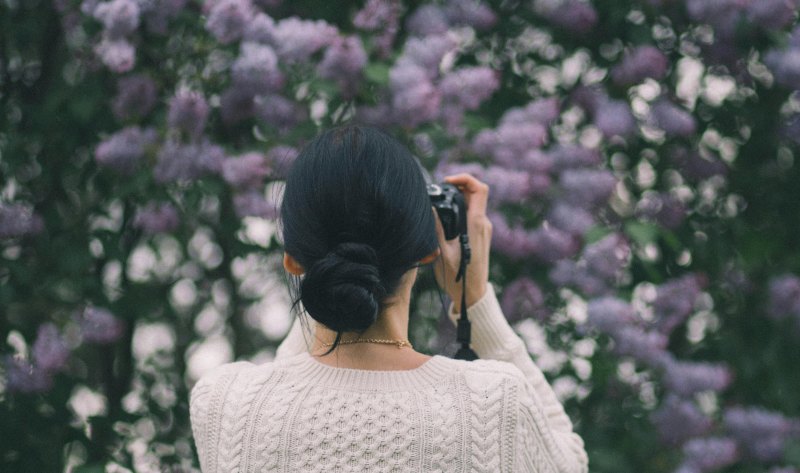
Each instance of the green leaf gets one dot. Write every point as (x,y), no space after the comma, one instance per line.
(641,232)
(377,73)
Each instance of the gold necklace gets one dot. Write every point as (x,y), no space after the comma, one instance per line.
(399,343)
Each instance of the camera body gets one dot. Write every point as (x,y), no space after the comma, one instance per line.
(451,207)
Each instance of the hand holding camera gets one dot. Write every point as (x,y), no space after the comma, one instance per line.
(479,228)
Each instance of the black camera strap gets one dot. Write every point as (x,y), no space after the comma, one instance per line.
(464,328)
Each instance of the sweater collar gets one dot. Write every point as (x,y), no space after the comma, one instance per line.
(430,373)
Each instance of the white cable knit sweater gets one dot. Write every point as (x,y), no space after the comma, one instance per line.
(295,414)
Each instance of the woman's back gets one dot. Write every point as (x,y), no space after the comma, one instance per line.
(297,414)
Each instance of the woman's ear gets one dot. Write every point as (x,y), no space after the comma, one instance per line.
(431,257)
(292,265)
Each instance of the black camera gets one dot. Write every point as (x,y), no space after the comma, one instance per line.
(452,208)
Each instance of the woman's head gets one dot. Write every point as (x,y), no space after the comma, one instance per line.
(356,216)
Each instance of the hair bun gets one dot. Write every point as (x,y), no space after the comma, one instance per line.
(343,290)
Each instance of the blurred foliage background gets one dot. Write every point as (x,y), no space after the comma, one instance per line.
(644,199)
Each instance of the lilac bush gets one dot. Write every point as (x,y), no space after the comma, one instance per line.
(641,158)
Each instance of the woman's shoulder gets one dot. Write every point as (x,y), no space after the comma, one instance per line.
(486,372)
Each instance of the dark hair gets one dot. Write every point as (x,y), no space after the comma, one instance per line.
(357,216)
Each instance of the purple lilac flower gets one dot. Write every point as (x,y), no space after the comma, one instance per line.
(50,350)
(507,185)
(615,118)
(544,111)
(677,420)
(123,150)
(610,314)
(723,15)
(510,142)
(374,15)
(675,301)
(570,218)
(157,217)
(511,240)
(471,13)
(136,96)
(99,325)
(119,17)
(644,346)
(118,55)
(771,14)
(260,29)
(278,111)
(427,52)
(570,156)
(156,13)
(228,19)
(575,274)
(686,378)
(587,187)
(785,66)
(587,98)
(427,20)
(641,63)
(186,162)
(17,220)
(469,86)
(236,105)
(607,257)
(188,111)
(761,433)
(296,39)
(784,296)
(710,453)
(415,100)
(344,61)
(23,377)
(674,120)
(522,299)
(251,203)
(256,69)
(245,171)
(280,159)
(573,15)
(549,244)
(662,208)
(696,167)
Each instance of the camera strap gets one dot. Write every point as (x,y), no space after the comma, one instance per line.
(464,328)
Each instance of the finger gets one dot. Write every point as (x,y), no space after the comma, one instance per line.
(476,195)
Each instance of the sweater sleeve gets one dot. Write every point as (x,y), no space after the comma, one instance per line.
(493,338)
(295,341)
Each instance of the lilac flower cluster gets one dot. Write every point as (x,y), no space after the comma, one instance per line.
(696,167)
(123,150)
(228,19)
(506,185)
(521,131)
(674,120)
(784,297)
(638,64)
(187,162)
(344,61)
(120,18)
(49,355)
(256,70)
(99,325)
(675,302)
(708,454)
(188,112)
(575,16)
(785,63)
(383,18)
(295,39)
(523,299)
(662,208)
(686,378)
(547,244)
(678,420)
(18,220)
(597,270)
(587,188)
(434,19)
(157,217)
(762,434)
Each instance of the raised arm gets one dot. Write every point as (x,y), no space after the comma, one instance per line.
(493,338)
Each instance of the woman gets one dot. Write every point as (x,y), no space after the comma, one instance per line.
(357,223)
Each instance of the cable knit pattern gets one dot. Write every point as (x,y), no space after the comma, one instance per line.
(295,414)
